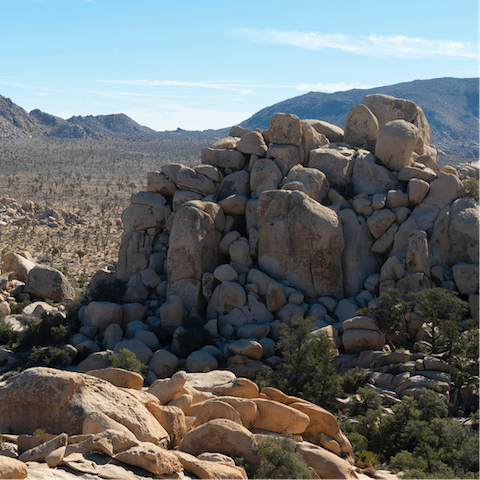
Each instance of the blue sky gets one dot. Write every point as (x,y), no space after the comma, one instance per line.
(211,64)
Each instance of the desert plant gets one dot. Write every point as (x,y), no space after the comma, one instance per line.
(278,460)
(471,188)
(388,313)
(353,379)
(127,360)
(307,370)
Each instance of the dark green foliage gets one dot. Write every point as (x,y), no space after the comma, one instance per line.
(278,460)
(388,313)
(8,336)
(367,399)
(127,360)
(353,379)
(50,330)
(419,439)
(17,308)
(471,187)
(105,291)
(443,312)
(193,338)
(48,357)
(307,370)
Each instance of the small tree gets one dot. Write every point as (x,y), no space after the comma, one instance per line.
(443,312)
(388,313)
(307,370)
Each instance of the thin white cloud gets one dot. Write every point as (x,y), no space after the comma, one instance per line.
(131,94)
(238,87)
(394,46)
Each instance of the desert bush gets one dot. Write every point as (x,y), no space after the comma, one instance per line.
(443,313)
(8,336)
(127,360)
(307,370)
(278,460)
(17,308)
(388,313)
(353,379)
(471,188)
(418,438)
(366,399)
(48,357)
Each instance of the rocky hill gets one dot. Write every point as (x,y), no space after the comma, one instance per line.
(450,104)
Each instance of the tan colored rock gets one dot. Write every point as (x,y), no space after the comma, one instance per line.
(170,388)
(417,190)
(39,453)
(96,422)
(356,340)
(229,142)
(232,159)
(55,458)
(395,144)
(119,377)
(285,129)
(324,463)
(466,278)
(335,161)
(369,177)
(300,241)
(444,190)
(308,180)
(247,347)
(380,221)
(47,282)
(19,265)
(359,322)
(171,418)
(332,132)
(12,468)
(193,241)
(241,387)
(407,173)
(423,126)
(285,156)
(417,259)
(449,169)
(190,179)
(61,400)
(151,458)
(247,409)
(279,418)
(252,143)
(216,409)
(207,469)
(263,172)
(4,309)
(221,436)
(387,108)
(361,128)
(311,139)
(158,183)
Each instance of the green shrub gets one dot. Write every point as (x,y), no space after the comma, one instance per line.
(307,370)
(366,399)
(353,379)
(471,188)
(278,460)
(8,336)
(127,360)
(17,308)
(388,313)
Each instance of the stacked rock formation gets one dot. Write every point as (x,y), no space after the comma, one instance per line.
(301,219)
(189,423)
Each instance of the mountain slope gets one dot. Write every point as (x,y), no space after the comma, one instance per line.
(450,104)
(117,123)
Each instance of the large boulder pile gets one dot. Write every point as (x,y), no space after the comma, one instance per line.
(301,219)
(189,423)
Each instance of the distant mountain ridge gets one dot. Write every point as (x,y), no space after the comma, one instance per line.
(451,106)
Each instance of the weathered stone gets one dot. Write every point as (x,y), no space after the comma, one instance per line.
(263,172)
(158,183)
(102,314)
(163,363)
(332,132)
(47,282)
(252,143)
(285,129)
(284,156)
(18,265)
(119,377)
(369,177)
(335,161)
(466,277)
(408,173)
(308,180)
(173,313)
(13,468)
(249,348)
(379,222)
(444,189)
(361,128)
(417,259)
(356,340)
(300,241)
(189,179)
(232,159)
(395,144)
(198,361)
(170,388)
(387,108)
